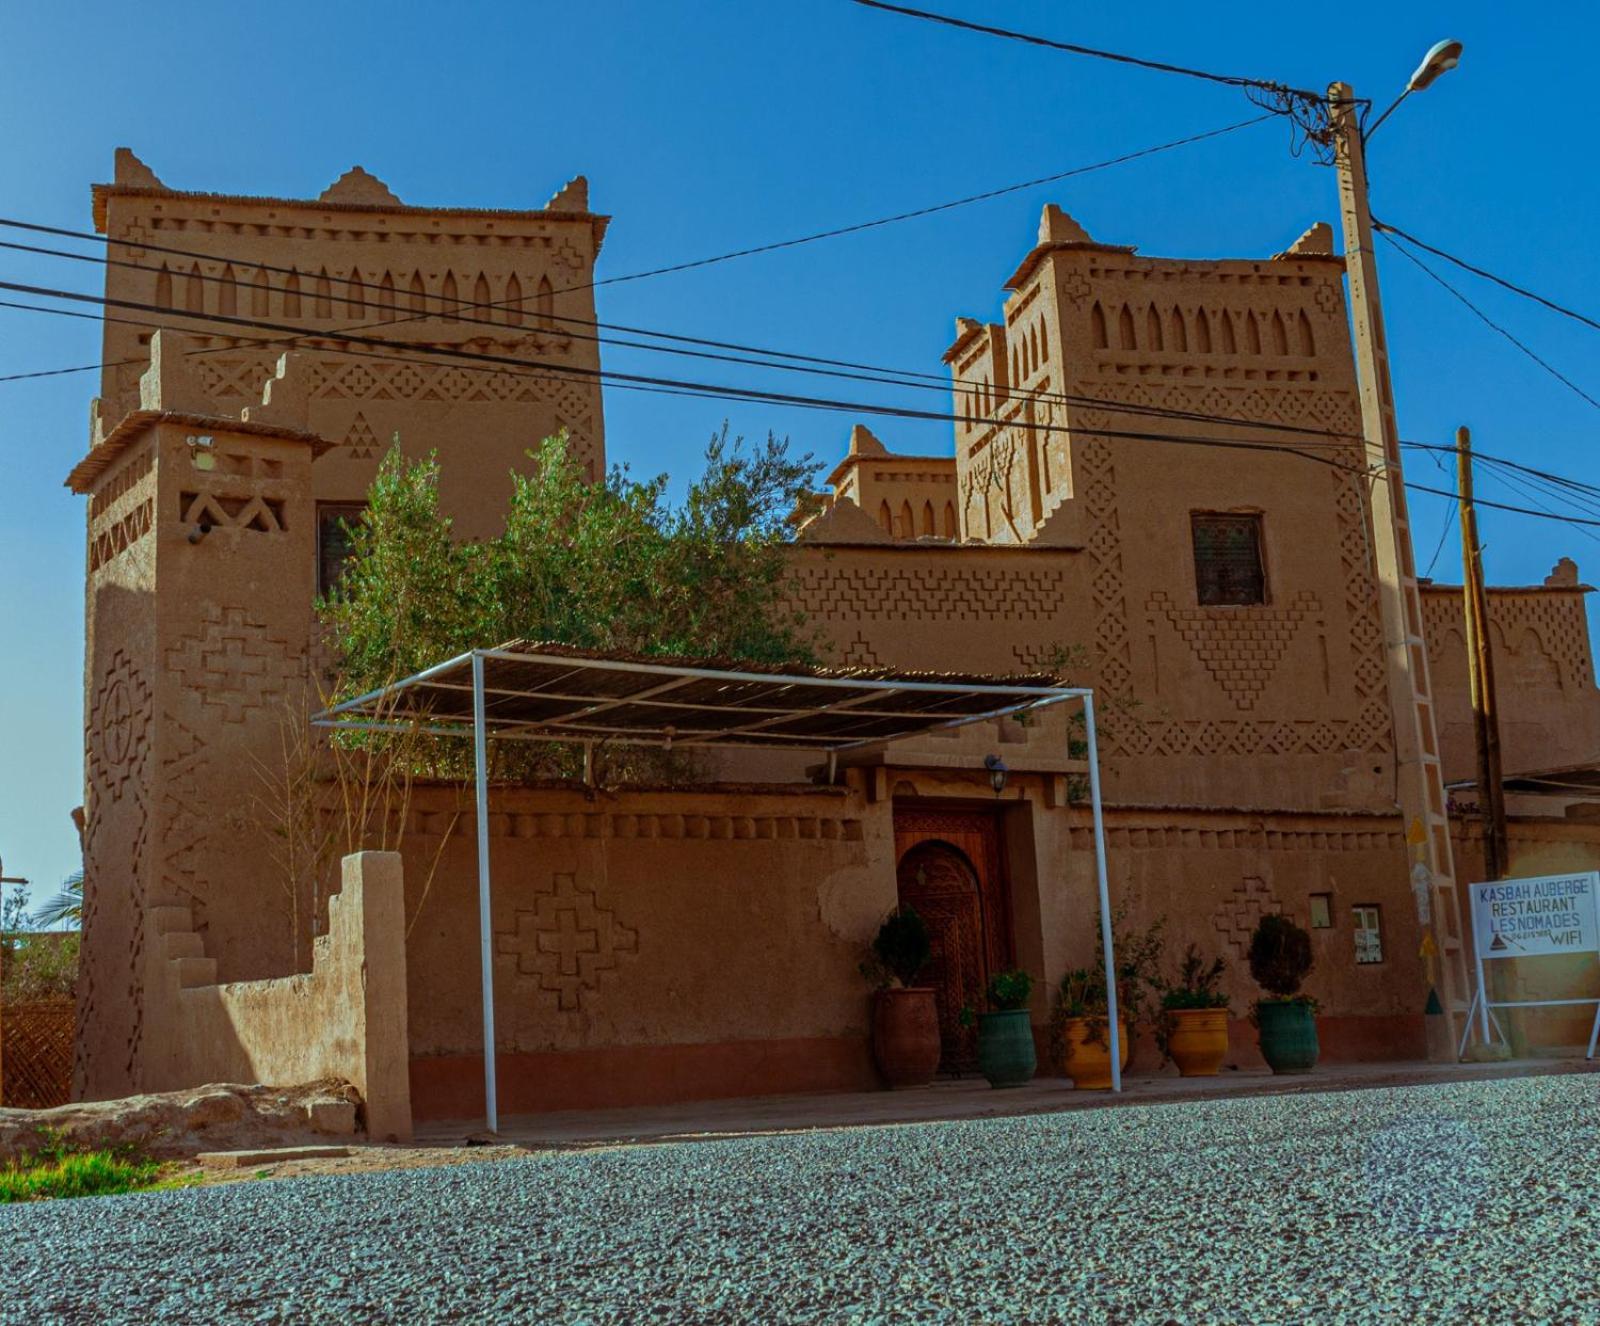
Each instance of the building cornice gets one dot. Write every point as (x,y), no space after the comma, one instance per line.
(137,422)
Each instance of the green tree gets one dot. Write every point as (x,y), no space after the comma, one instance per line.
(65,908)
(608,564)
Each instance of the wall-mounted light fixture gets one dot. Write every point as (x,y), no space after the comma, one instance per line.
(200,531)
(201,455)
(998,773)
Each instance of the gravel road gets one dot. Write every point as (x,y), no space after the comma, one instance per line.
(1470,1202)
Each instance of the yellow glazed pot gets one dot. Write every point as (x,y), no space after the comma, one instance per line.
(1086,1052)
(1197,1040)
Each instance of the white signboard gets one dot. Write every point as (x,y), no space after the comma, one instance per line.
(1537,917)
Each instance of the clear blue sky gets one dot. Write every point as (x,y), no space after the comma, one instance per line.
(711,126)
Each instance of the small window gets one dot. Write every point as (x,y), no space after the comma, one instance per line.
(1321,911)
(1227,560)
(1369,933)
(334,521)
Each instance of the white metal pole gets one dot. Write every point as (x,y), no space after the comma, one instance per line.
(1483,990)
(1105,894)
(485,928)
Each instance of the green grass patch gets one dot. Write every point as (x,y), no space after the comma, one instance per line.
(59,1171)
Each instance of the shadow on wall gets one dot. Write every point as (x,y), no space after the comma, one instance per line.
(344,1019)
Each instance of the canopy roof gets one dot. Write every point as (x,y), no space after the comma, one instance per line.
(549,692)
(1572,782)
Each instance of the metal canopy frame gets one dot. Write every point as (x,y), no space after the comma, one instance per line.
(522,692)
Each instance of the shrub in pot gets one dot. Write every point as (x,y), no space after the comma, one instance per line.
(1195,1036)
(1280,960)
(1139,982)
(905,1015)
(1080,1029)
(1005,1034)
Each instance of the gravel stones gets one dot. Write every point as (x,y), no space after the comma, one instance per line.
(1467,1202)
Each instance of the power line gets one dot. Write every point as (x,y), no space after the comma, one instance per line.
(862,371)
(710,390)
(750,251)
(723,392)
(1158,66)
(1400,248)
(1488,276)
(868,370)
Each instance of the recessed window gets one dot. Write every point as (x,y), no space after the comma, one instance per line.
(1369,933)
(335,521)
(1321,911)
(1227,559)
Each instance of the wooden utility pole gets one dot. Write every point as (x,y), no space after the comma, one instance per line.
(1420,773)
(1480,672)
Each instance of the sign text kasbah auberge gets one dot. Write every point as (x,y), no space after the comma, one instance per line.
(1522,918)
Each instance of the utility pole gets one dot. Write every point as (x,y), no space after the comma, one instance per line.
(1480,673)
(1420,773)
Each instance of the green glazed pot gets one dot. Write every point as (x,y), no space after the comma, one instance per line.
(1005,1047)
(1288,1036)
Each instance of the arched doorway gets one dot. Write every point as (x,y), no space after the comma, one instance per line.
(959,893)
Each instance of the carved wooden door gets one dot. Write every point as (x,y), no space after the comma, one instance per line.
(949,873)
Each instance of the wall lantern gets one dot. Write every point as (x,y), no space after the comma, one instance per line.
(998,773)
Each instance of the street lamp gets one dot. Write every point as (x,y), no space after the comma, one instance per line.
(1419,773)
(998,773)
(1442,57)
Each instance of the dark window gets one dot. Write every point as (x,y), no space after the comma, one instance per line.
(1227,560)
(334,523)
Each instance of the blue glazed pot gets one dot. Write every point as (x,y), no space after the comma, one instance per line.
(1288,1035)
(1005,1047)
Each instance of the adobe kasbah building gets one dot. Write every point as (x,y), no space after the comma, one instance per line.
(702,941)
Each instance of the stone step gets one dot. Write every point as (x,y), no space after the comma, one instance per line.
(194,972)
(183,944)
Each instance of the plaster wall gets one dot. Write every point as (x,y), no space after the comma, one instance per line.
(345,1018)
(1544,677)
(358,258)
(646,945)
(192,643)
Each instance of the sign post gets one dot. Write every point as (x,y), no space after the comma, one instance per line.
(1539,917)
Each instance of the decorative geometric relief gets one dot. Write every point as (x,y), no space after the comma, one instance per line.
(1240,647)
(1239,912)
(242,511)
(859,653)
(905,591)
(233,663)
(231,379)
(119,725)
(117,537)
(566,941)
(185,822)
(361,440)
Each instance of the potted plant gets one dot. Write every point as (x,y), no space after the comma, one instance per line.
(1196,1032)
(1005,1034)
(905,1015)
(1080,1029)
(1139,984)
(1280,960)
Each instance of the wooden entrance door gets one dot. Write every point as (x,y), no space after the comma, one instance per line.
(950,872)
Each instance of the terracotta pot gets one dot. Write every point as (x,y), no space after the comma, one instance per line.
(1288,1035)
(905,1036)
(1197,1040)
(1086,1052)
(1005,1047)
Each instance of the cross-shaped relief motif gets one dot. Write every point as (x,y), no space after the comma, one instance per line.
(1241,911)
(566,940)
